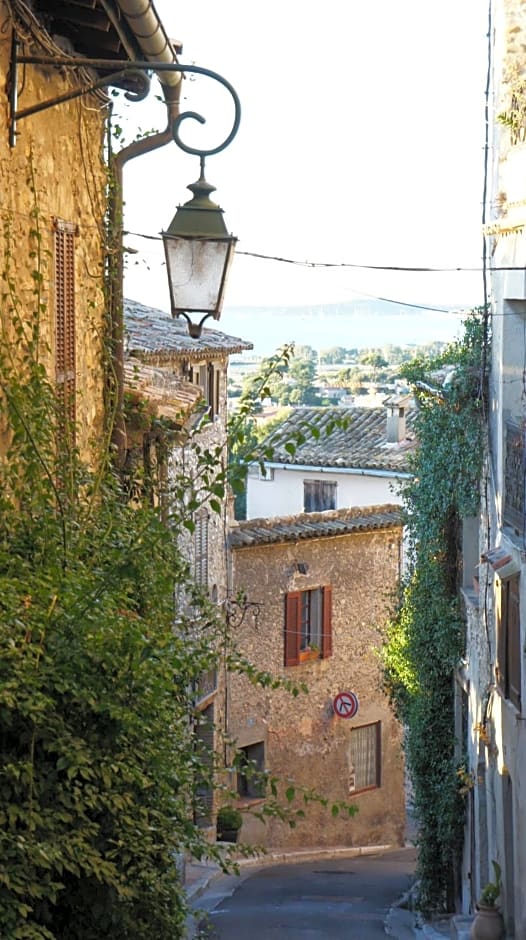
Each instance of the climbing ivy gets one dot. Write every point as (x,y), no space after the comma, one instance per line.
(426,635)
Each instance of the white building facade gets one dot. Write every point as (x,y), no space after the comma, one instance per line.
(356,457)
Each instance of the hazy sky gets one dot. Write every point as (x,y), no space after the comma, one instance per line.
(361,142)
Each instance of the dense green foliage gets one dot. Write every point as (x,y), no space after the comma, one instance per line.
(426,637)
(98,769)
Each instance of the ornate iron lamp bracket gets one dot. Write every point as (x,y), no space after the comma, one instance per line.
(118,69)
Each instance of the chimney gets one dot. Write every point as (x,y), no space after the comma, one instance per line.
(396,413)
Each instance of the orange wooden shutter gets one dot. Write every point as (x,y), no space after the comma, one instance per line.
(326,637)
(292,628)
(65,356)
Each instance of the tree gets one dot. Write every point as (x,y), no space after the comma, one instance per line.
(334,355)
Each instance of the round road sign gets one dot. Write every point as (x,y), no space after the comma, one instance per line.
(345,705)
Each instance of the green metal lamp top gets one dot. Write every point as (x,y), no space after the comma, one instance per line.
(199,217)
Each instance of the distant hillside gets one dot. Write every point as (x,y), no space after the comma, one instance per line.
(365,307)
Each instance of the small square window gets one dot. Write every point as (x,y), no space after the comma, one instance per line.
(318,496)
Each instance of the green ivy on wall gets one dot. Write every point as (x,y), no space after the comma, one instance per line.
(426,635)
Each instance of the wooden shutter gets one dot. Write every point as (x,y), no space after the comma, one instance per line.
(326,636)
(502,606)
(509,654)
(65,356)
(514,652)
(292,628)
(201,548)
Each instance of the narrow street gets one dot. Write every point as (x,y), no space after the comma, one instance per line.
(329,899)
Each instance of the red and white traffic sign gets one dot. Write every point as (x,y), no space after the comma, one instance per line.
(345,704)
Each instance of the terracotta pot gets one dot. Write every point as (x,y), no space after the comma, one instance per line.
(488,924)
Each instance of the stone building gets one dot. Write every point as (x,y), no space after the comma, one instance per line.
(358,457)
(54,240)
(177,383)
(319,588)
(492,680)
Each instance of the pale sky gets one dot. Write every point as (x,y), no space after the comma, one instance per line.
(361,142)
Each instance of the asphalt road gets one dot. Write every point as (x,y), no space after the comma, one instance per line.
(331,899)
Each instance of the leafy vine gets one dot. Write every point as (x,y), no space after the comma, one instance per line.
(426,636)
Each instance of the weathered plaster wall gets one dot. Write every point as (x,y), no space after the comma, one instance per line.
(284,494)
(303,739)
(56,170)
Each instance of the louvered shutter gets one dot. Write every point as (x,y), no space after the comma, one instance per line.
(326,636)
(65,356)
(502,607)
(201,548)
(292,628)
(514,653)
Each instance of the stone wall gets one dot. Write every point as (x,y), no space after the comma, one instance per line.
(304,740)
(55,171)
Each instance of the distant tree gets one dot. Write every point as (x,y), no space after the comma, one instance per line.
(305,352)
(351,378)
(334,355)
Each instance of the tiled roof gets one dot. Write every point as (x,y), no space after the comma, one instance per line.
(358,440)
(314,525)
(173,398)
(154,336)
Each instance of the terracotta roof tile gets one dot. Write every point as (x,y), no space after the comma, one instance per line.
(314,525)
(154,336)
(359,439)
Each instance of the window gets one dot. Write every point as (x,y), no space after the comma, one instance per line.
(201,548)
(509,653)
(207,376)
(365,757)
(318,496)
(266,473)
(308,625)
(251,765)
(204,746)
(65,358)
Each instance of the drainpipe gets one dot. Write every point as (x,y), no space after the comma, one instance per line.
(150,35)
(116,261)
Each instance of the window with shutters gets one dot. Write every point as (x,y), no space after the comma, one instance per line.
(308,625)
(207,377)
(201,548)
(204,745)
(318,496)
(65,357)
(509,650)
(365,757)
(250,780)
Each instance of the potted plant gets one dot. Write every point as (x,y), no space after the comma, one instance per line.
(229,822)
(488,923)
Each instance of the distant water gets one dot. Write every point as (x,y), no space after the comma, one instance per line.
(338,325)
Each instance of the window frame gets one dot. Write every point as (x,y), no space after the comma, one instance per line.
(319,495)
(376,728)
(298,606)
(207,376)
(247,788)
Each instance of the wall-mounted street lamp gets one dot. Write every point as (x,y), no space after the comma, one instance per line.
(199,252)
(198,248)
